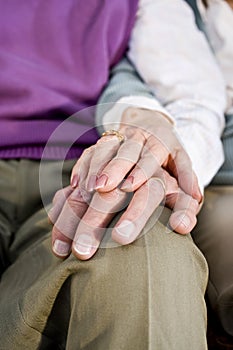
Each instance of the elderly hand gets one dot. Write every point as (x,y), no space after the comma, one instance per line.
(107,171)
(150,144)
(80,227)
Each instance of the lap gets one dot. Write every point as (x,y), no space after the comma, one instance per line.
(213,235)
(138,283)
(147,291)
(225,173)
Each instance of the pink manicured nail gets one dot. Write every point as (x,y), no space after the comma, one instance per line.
(101,181)
(92,183)
(127,184)
(83,245)
(74,181)
(61,248)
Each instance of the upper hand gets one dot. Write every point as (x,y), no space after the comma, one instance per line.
(150,144)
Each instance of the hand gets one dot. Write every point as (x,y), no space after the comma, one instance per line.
(150,145)
(80,227)
(141,159)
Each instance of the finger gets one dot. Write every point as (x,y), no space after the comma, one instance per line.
(153,156)
(66,224)
(58,202)
(145,200)
(95,221)
(183,218)
(127,156)
(106,148)
(185,208)
(187,179)
(81,168)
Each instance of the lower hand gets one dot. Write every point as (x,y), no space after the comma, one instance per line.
(79,227)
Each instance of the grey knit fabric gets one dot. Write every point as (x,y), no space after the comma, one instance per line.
(199,22)
(123,81)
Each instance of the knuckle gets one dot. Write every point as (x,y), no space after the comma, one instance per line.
(58,196)
(88,150)
(130,111)
(156,184)
(75,199)
(194,205)
(157,146)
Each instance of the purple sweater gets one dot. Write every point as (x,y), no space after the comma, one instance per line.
(55,58)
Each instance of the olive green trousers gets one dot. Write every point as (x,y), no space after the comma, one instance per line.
(214,236)
(148,295)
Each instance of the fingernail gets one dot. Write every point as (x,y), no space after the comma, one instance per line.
(61,248)
(74,181)
(127,184)
(91,183)
(83,245)
(184,220)
(101,181)
(126,228)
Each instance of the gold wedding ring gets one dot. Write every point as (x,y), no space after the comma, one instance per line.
(115,133)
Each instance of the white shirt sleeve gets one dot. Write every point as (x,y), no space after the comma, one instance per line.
(174,58)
